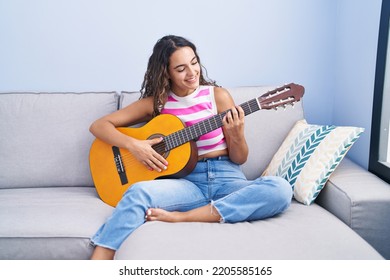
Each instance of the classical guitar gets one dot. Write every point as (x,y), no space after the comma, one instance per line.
(114,170)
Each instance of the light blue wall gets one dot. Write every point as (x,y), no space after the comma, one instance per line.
(357,41)
(84,45)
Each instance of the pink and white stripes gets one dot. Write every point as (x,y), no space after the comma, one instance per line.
(196,107)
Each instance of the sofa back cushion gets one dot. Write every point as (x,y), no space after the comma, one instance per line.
(45,138)
(265,130)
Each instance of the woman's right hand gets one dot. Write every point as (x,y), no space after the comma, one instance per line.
(143,151)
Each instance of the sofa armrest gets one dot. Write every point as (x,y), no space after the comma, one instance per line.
(362,201)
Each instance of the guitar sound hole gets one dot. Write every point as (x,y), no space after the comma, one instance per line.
(160,147)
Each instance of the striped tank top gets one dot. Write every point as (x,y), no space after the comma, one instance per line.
(193,108)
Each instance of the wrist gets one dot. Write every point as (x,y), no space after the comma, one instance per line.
(129,143)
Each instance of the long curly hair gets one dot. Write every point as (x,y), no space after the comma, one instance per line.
(156,80)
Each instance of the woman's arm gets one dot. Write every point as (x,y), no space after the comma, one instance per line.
(139,111)
(233,126)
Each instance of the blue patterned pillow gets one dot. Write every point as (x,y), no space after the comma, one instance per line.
(309,155)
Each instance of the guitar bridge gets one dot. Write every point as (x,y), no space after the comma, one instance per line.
(119,165)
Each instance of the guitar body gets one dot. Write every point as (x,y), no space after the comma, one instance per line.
(106,171)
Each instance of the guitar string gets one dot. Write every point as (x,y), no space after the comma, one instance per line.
(159,148)
(128,159)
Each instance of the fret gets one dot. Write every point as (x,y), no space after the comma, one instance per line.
(181,137)
(175,138)
(204,126)
(215,121)
(209,125)
(188,134)
(244,107)
(168,145)
(218,119)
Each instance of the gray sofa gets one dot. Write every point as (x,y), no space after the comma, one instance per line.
(49,207)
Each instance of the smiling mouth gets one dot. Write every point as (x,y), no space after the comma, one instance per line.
(193,79)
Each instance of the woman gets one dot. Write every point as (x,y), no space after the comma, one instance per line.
(216,190)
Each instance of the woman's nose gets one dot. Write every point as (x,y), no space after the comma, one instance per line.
(191,71)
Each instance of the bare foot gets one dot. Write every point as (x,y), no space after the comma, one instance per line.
(157,214)
(206,213)
(101,253)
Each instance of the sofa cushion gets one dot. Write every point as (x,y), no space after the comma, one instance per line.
(49,223)
(265,130)
(360,199)
(309,155)
(45,138)
(300,233)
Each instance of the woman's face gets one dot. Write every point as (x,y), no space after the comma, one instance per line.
(184,71)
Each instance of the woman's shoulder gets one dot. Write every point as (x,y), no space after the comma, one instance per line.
(141,109)
(223,98)
(143,102)
(221,92)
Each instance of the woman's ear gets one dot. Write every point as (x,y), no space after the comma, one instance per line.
(168,75)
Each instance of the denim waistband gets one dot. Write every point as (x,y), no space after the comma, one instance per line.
(214,158)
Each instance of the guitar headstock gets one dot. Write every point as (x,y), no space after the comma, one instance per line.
(281,96)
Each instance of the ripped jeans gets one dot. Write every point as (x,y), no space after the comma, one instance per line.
(216,181)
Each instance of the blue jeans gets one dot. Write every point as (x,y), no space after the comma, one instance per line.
(218,182)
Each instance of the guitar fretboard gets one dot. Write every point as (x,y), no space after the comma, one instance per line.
(195,131)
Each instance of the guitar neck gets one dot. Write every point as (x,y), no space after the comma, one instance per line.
(203,127)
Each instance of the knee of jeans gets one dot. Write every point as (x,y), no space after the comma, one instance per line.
(284,190)
(139,190)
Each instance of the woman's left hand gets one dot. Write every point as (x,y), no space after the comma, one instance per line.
(233,122)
